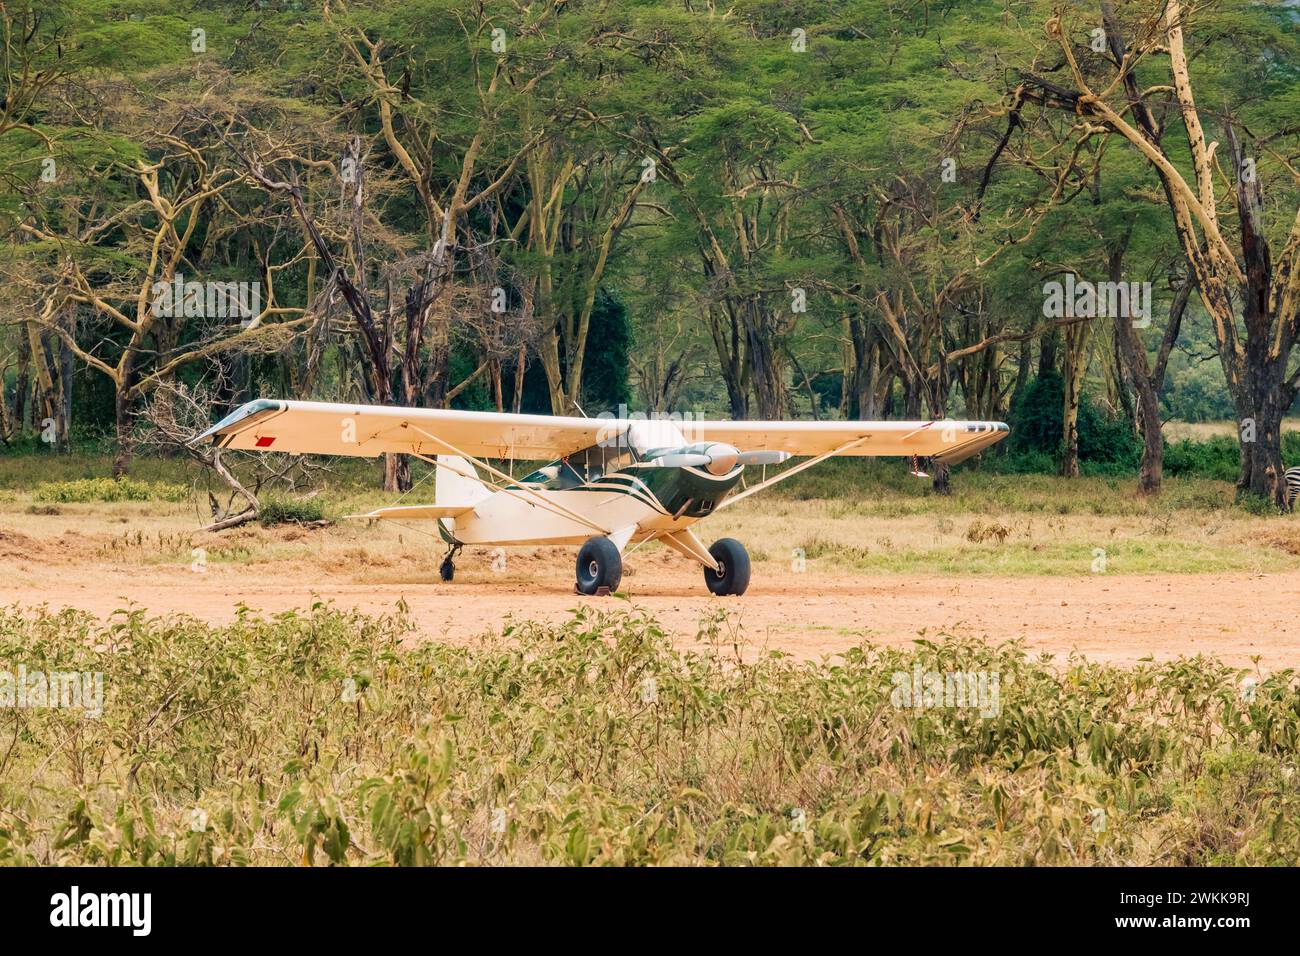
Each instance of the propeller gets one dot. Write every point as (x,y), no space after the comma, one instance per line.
(718,458)
(762,457)
(680,460)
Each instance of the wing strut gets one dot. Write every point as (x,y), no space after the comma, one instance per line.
(726,503)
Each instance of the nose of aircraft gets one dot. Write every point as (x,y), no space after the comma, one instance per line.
(723,458)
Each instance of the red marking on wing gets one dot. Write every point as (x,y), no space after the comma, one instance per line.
(265,441)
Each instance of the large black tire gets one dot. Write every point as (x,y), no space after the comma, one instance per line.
(732,576)
(599,565)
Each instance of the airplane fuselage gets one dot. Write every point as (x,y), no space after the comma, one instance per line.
(647,500)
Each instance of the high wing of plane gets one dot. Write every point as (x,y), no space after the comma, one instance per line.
(612,483)
(327,428)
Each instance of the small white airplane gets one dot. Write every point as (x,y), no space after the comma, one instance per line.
(613,483)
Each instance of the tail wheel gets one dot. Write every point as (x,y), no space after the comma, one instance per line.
(732,574)
(447,570)
(599,565)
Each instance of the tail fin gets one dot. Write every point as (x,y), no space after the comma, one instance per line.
(452,485)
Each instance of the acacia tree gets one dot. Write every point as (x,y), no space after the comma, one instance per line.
(1247,279)
(37,55)
(93,251)
(731,196)
(579,200)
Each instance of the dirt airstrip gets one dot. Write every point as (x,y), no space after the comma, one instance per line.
(821,611)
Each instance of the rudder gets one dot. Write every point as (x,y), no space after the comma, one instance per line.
(452,486)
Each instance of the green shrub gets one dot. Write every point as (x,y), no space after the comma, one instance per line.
(1037,418)
(1217,458)
(287,511)
(1106,439)
(326,736)
(1026,463)
(1038,428)
(109,489)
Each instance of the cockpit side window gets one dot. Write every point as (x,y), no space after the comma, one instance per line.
(582,467)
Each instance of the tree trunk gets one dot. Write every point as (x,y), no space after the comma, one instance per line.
(397,472)
(22,384)
(1047,344)
(1151,471)
(66,367)
(940,475)
(768,376)
(1022,369)
(1262,465)
(1076,364)
(124,423)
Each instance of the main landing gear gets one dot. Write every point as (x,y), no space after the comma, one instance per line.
(600,566)
(732,574)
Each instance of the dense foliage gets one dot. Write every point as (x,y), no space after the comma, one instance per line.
(849,209)
(319,737)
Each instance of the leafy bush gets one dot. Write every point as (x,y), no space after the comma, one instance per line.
(109,489)
(1037,419)
(322,736)
(1217,457)
(1038,429)
(1026,463)
(1106,439)
(287,511)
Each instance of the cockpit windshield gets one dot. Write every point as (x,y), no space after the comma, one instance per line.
(654,435)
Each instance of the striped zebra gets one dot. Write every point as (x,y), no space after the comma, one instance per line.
(1292,478)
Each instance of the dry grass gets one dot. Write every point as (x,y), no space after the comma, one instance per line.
(1004,525)
(1200,431)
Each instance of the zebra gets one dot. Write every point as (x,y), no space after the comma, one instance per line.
(1291,477)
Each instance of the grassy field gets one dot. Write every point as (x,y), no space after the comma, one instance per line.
(317,738)
(1200,431)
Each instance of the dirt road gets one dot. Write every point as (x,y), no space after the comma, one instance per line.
(1106,617)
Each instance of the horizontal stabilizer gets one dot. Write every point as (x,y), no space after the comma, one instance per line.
(431,512)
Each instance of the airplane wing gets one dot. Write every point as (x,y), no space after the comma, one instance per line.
(324,428)
(945,441)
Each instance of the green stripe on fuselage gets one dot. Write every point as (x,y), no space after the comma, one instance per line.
(674,488)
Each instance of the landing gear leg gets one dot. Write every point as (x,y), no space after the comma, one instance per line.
(447,570)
